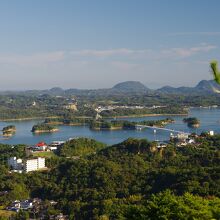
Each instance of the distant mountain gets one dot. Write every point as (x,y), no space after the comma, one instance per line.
(131,86)
(56,91)
(203,87)
(173,90)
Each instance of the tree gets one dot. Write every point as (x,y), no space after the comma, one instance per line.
(215,71)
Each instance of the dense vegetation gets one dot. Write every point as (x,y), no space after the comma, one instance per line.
(42,127)
(40,106)
(9,130)
(192,122)
(145,111)
(123,124)
(69,120)
(130,180)
(80,147)
(37,105)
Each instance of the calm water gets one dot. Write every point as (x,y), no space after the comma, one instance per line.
(210,120)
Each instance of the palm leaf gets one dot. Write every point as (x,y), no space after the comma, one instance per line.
(215,71)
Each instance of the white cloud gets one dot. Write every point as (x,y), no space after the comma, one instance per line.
(120,56)
(179,52)
(124,65)
(205,33)
(33,59)
(187,52)
(108,52)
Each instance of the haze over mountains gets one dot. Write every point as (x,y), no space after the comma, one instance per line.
(204,87)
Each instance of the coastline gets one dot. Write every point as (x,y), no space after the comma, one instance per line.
(36,118)
(107,129)
(197,125)
(44,131)
(120,116)
(27,119)
(61,123)
(145,115)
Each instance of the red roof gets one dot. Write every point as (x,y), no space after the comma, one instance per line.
(41,144)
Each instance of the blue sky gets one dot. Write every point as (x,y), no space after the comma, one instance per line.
(98,43)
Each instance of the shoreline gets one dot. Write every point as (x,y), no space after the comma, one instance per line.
(107,129)
(61,123)
(121,116)
(36,118)
(27,119)
(45,131)
(145,115)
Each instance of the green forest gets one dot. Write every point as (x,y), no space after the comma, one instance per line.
(21,106)
(130,180)
(42,127)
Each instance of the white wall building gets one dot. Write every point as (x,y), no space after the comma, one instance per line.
(55,144)
(41,162)
(14,163)
(211,133)
(34,164)
(182,136)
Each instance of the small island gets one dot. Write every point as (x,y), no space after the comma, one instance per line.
(72,121)
(8,131)
(192,122)
(126,125)
(43,128)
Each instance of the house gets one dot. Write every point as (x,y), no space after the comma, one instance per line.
(18,205)
(182,136)
(161,145)
(41,146)
(71,106)
(52,148)
(190,141)
(59,217)
(55,144)
(27,204)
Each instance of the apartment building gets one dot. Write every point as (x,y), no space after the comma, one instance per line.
(34,164)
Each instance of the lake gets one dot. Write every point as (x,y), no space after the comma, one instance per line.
(209,118)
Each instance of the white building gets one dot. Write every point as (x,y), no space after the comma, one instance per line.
(182,136)
(55,144)
(34,164)
(211,133)
(14,163)
(41,146)
(41,162)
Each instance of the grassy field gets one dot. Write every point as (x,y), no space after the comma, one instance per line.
(6,214)
(47,154)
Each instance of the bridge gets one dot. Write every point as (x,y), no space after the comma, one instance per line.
(140,127)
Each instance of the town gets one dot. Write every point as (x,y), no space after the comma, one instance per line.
(33,163)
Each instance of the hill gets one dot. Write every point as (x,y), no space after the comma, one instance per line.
(131,86)
(202,88)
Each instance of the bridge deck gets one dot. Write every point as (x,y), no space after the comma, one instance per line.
(158,128)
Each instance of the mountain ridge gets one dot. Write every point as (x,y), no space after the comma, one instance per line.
(127,87)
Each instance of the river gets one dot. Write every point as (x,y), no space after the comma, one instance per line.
(209,118)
